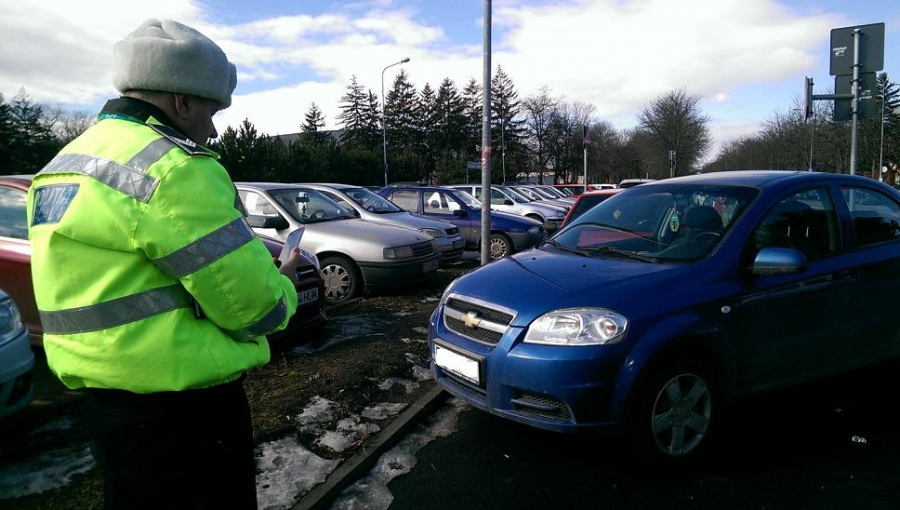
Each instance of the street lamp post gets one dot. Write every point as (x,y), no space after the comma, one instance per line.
(383,129)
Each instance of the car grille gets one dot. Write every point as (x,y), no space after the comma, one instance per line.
(485,323)
(421,249)
(452,231)
(542,405)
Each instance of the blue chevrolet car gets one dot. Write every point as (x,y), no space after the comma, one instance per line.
(509,233)
(667,300)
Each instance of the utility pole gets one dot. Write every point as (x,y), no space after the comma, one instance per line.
(486,140)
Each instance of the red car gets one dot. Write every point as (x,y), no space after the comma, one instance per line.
(585,201)
(15,266)
(573,190)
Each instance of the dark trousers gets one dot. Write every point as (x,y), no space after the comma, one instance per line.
(187,449)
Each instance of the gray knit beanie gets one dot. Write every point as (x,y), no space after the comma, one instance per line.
(167,56)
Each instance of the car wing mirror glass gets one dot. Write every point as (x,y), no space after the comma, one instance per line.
(774,261)
(275,222)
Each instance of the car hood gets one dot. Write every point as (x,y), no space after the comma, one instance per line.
(406,220)
(364,231)
(537,281)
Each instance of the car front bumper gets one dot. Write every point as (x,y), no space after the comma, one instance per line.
(16,389)
(524,240)
(398,273)
(564,389)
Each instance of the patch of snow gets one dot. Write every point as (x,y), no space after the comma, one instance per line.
(422,373)
(57,425)
(408,386)
(337,441)
(431,300)
(318,412)
(287,471)
(406,340)
(402,314)
(415,359)
(372,492)
(45,472)
(420,329)
(382,411)
(349,430)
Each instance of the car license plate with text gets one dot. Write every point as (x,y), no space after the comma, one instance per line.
(308,296)
(430,266)
(457,364)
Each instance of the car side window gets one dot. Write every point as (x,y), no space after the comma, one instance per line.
(876,217)
(408,200)
(497,197)
(804,221)
(13,221)
(339,199)
(437,203)
(256,204)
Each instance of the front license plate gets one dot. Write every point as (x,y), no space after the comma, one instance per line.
(430,266)
(306,297)
(457,364)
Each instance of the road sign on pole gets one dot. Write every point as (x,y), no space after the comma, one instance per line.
(843,108)
(807,98)
(871,49)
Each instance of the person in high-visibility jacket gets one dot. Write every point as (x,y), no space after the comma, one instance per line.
(154,294)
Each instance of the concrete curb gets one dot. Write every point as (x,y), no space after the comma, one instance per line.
(362,462)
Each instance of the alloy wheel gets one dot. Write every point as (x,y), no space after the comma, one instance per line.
(680,415)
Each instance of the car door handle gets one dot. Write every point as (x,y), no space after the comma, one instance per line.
(841,277)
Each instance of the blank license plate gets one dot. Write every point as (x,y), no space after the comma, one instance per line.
(457,364)
(430,266)
(308,296)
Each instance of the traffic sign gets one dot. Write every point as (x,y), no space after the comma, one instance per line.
(871,49)
(473,165)
(867,94)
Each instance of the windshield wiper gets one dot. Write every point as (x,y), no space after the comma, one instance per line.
(560,247)
(609,250)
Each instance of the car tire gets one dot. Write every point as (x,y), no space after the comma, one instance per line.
(500,246)
(342,279)
(675,412)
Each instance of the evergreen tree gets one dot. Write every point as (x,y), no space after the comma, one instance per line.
(450,116)
(428,128)
(32,144)
(372,122)
(6,134)
(353,116)
(401,107)
(506,125)
(472,99)
(312,127)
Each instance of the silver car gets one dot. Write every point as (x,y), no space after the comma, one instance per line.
(354,254)
(371,207)
(507,200)
(535,194)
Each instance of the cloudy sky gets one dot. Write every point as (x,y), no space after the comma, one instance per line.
(746,58)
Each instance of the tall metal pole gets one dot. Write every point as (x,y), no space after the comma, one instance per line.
(383,128)
(502,140)
(584,146)
(855,102)
(881,150)
(486,140)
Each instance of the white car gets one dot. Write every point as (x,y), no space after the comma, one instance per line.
(507,200)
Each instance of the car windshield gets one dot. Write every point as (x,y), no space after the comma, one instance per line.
(309,206)
(542,193)
(517,196)
(673,223)
(370,201)
(532,196)
(553,191)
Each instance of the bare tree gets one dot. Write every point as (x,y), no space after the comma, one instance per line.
(674,121)
(539,111)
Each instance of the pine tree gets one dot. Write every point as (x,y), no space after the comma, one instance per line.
(372,122)
(400,116)
(427,127)
(6,134)
(506,125)
(313,123)
(472,104)
(353,116)
(451,120)
(32,144)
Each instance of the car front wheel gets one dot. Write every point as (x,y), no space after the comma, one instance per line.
(342,280)
(500,246)
(675,412)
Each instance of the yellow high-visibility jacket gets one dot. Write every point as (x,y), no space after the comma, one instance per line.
(146,275)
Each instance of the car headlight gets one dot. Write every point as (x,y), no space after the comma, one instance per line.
(577,326)
(398,253)
(433,232)
(534,230)
(10,320)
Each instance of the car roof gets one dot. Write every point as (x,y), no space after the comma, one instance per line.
(601,192)
(266,186)
(755,178)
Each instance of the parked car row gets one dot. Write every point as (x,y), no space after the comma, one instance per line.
(647,312)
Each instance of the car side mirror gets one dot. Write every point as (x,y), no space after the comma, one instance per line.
(275,222)
(508,202)
(774,261)
(461,213)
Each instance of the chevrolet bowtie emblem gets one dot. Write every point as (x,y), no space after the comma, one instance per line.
(471,320)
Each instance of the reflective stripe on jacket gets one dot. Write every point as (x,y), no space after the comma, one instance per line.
(132,234)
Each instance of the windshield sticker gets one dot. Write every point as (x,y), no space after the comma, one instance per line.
(617,214)
(674,222)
